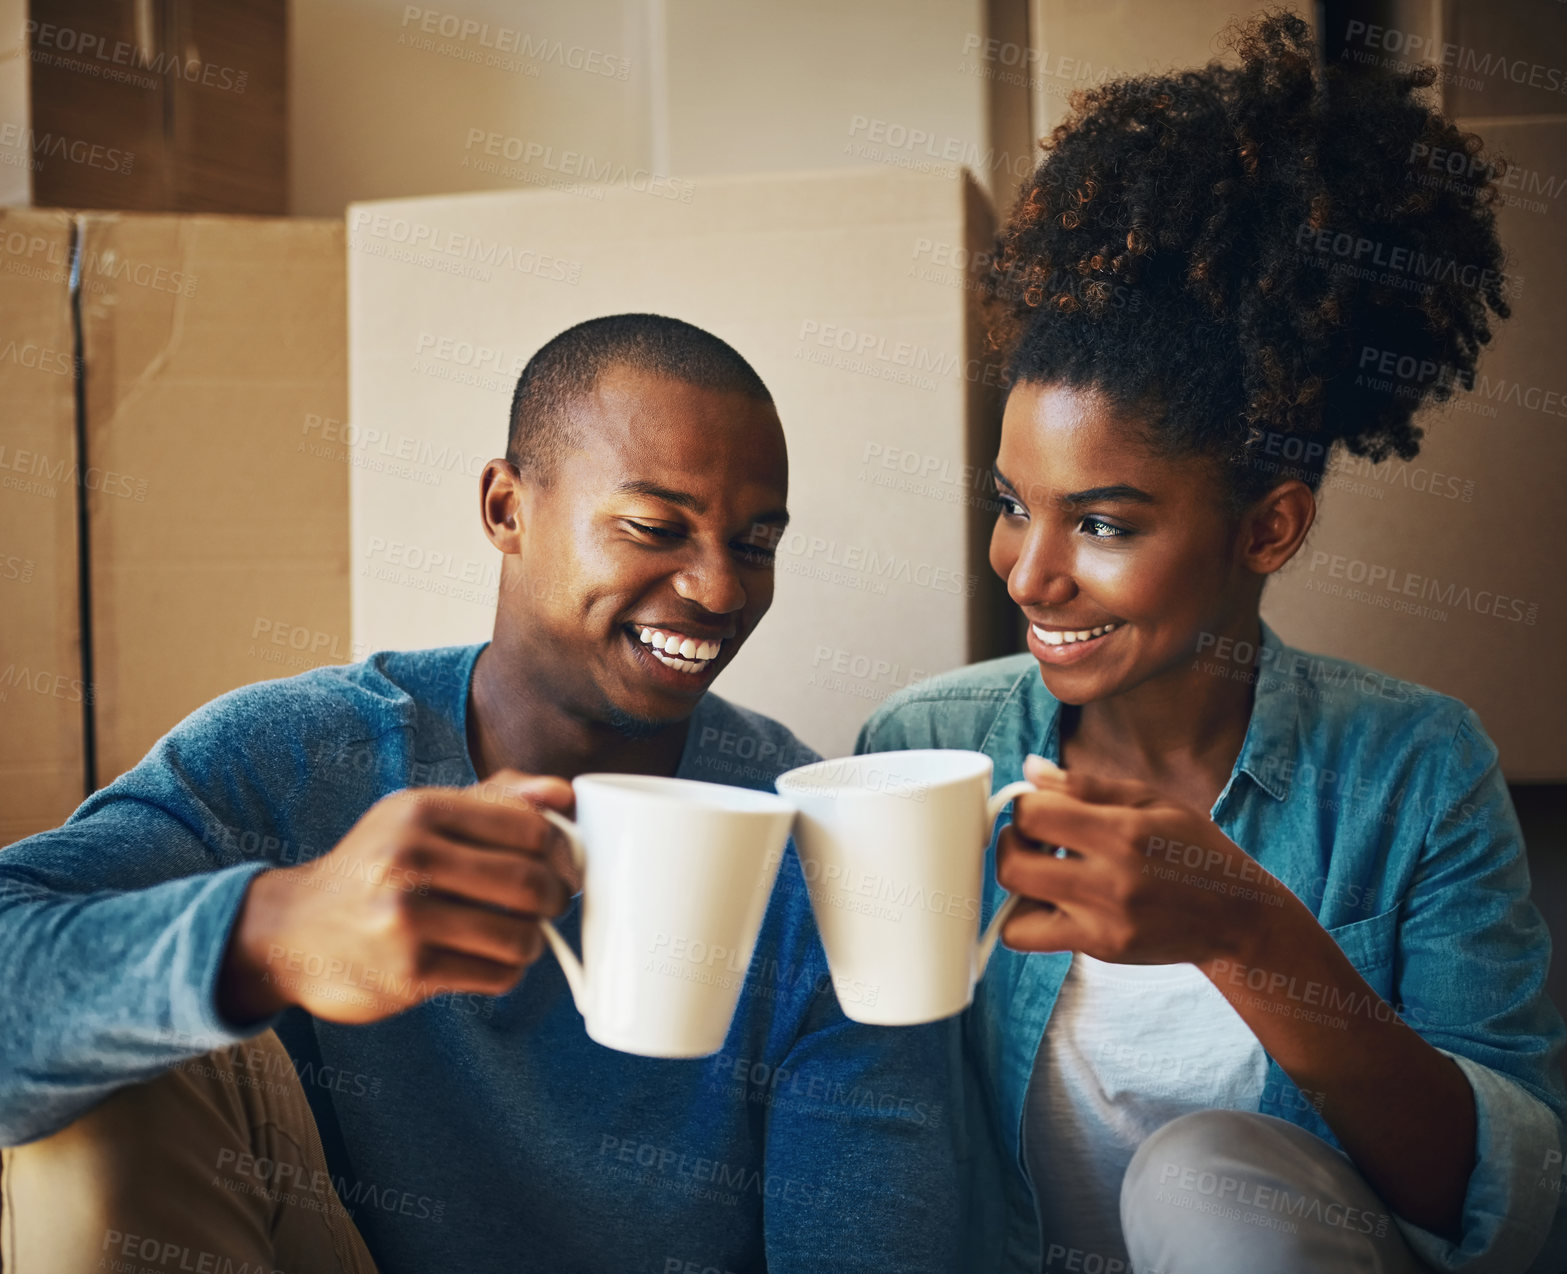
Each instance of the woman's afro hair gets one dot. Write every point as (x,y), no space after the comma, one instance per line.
(1242,251)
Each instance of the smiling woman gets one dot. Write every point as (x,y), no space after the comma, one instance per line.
(1287,1010)
(1120,555)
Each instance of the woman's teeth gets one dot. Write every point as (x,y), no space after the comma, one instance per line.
(677,651)
(1059,637)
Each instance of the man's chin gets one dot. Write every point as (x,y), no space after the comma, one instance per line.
(631,726)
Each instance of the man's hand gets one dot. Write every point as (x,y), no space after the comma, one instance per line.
(1146,880)
(433,890)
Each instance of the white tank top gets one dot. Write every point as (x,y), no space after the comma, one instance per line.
(1128,1048)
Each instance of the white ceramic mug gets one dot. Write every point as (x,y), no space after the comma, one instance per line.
(893,849)
(676,878)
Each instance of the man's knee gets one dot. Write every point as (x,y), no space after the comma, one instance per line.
(200,1109)
(140,1168)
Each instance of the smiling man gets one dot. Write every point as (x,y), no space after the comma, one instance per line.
(354,857)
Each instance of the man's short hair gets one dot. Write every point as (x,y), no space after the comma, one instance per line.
(570,365)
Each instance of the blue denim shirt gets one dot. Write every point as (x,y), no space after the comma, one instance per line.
(1380,804)
(472,1132)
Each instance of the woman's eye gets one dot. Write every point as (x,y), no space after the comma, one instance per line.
(1010,506)
(1099,529)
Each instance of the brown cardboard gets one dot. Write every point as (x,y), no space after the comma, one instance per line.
(214,349)
(175,107)
(42,691)
(229,128)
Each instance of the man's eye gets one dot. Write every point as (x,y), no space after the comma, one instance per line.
(756,554)
(658,532)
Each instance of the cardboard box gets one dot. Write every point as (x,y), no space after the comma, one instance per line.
(212,361)
(876,82)
(16,178)
(850,294)
(214,349)
(43,693)
(174,107)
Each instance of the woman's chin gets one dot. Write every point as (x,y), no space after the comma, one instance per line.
(1067,688)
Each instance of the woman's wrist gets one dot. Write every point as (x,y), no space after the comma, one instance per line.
(1255,921)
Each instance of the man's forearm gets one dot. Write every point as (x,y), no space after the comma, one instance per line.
(103,990)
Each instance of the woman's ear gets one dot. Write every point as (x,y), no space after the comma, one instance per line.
(1274,528)
(502,498)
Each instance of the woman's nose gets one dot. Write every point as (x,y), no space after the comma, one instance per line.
(1041,576)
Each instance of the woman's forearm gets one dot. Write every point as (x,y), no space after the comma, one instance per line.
(1402,1110)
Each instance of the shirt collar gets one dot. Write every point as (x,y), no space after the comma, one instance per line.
(1275,712)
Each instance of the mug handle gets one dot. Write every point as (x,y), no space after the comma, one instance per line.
(987,940)
(576,975)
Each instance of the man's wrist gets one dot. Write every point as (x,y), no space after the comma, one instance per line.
(246,995)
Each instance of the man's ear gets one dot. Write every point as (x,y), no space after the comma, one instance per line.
(503,495)
(1275,526)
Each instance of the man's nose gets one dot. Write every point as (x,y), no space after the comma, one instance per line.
(712,581)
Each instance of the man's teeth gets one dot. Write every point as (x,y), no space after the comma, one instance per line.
(1061,638)
(676,650)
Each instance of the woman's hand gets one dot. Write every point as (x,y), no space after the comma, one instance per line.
(1149,881)
(1145,880)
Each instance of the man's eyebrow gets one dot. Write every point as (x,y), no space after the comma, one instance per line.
(1115,492)
(682,499)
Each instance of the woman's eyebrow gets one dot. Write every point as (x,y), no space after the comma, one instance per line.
(1116,492)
